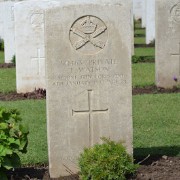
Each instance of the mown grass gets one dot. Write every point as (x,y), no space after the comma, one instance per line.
(143,74)
(139,40)
(140,31)
(137,24)
(156,124)
(7,80)
(145,51)
(155,117)
(33,113)
(1,57)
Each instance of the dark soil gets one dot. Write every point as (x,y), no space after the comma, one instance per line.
(143,45)
(41,93)
(164,168)
(154,90)
(37,94)
(7,65)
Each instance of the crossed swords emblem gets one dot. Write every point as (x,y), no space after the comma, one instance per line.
(89,37)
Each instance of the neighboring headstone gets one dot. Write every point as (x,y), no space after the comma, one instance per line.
(88,71)
(137,9)
(167,43)
(30,53)
(150,21)
(143,13)
(1,20)
(132,26)
(9,36)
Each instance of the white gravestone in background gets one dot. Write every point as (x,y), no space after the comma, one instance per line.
(167,43)
(143,13)
(30,53)
(137,9)
(2,20)
(9,36)
(88,71)
(150,21)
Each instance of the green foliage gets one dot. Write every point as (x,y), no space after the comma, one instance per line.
(108,161)
(1,44)
(143,74)
(13,139)
(140,59)
(14,60)
(7,80)
(1,57)
(150,51)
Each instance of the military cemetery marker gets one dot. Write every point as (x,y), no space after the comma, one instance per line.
(30,55)
(9,36)
(2,20)
(150,21)
(167,43)
(88,71)
(137,9)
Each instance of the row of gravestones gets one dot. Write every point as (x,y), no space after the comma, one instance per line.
(87,46)
(145,10)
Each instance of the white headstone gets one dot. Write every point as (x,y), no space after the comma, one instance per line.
(137,9)
(2,20)
(88,71)
(9,37)
(143,13)
(167,43)
(30,53)
(150,21)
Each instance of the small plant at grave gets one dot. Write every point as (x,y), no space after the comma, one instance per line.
(13,139)
(142,59)
(108,161)
(1,44)
(152,42)
(14,60)
(136,59)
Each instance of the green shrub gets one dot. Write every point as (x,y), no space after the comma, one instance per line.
(13,139)
(1,44)
(14,60)
(108,161)
(141,59)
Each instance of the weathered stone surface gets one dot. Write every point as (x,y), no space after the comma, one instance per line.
(137,9)
(143,13)
(88,71)
(30,53)
(167,43)
(2,20)
(150,21)
(9,37)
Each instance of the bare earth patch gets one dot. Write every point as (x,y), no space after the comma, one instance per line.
(164,168)
(7,65)
(41,93)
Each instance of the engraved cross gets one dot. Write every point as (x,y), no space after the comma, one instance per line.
(38,59)
(89,111)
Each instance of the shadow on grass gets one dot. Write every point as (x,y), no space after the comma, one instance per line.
(156,152)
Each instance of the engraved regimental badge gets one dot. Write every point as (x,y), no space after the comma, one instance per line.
(88,35)
(175,13)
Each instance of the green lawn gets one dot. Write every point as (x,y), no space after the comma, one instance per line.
(140,31)
(137,24)
(1,57)
(156,124)
(139,40)
(155,117)
(33,113)
(143,74)
(7,80)
(145,51)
